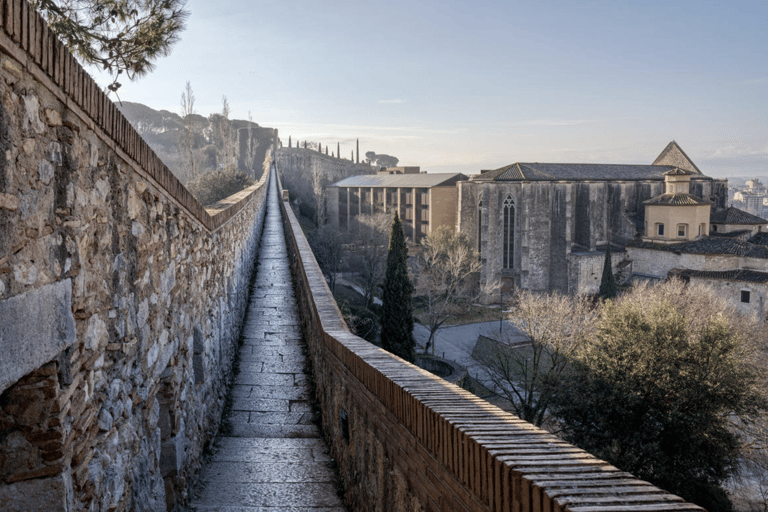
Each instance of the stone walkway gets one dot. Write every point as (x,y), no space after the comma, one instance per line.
(270,456)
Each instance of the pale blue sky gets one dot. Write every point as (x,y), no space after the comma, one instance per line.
(464,86)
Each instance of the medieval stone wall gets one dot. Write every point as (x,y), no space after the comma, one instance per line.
(121,298)
(302,169)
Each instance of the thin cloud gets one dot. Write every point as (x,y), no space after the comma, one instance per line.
(760,80)
(392,102)
(555,122)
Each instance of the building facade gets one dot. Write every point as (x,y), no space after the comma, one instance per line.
(545,226)
(423,201)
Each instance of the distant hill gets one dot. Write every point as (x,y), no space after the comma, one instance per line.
(163,129)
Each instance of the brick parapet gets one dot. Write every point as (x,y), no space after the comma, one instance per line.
(418,443)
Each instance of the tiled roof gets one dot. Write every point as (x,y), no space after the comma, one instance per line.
(572,172)
(678,172)
(732,234)
(708,245)
(401,180)
(733,215)
(751,276)
(674,155)
(760,239)
(677,200)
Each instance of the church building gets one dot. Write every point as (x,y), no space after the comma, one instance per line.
(545,226)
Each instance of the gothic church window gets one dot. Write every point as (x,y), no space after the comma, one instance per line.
(508,234)
(480,229)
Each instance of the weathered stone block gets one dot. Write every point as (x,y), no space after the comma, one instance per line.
(36,326)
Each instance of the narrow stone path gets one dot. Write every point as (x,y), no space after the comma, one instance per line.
(271,457)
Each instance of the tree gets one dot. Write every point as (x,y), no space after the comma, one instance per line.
(119,36)
(373,159)
(327,248)
(524,365)
(397,308)
(218,184)
(446,259)
(656,392)
(187,136)
(608,288)
(369,237)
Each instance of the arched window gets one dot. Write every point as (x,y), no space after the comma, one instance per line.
(508,234)
(480,229)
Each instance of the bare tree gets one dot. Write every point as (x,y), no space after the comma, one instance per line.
(447,258)
(317,175)
(187,137)
(370,236)
(327,248)
(550,328)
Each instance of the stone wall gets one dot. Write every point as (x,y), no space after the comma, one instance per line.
(658,263)
(121,298)
(554,218)
(300,168)
(407,440)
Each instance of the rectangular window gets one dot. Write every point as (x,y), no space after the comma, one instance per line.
(660,229)
(745,296)
(682,230)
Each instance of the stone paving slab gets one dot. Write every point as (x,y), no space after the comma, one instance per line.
(305,494)
(272,457)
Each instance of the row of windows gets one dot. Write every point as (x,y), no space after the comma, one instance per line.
(682,229)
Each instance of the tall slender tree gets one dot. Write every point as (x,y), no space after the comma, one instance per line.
(608,282)
(397,307)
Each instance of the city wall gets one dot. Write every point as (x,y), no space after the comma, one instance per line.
(121,297)
(407,440)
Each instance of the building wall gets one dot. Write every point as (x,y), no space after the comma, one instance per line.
(552,217)
(442,207)
(585,271)
(658,263)
(120,296)
(731,291)
(672,216)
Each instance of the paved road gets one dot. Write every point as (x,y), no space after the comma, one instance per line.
(270,455)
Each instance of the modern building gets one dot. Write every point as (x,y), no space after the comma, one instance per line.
(423,201)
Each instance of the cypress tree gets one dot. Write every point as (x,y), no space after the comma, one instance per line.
(608,287)
(397,309)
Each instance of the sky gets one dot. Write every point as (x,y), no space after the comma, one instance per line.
(457,86)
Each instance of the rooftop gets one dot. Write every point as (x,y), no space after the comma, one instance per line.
(678,199)
(708,245)
(751,276)
(402,180)
(733,215)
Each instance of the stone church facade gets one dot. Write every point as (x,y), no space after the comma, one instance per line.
(545,227)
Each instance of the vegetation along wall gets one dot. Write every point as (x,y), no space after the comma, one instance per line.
(120,297)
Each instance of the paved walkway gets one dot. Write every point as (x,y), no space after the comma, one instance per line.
(270,456)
